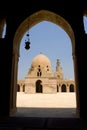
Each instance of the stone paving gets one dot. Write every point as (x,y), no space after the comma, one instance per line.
(46,105)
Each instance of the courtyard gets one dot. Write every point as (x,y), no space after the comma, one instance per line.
(46,105)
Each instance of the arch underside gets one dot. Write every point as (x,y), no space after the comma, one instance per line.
(32,20)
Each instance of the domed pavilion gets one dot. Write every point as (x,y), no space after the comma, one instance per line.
(40,78)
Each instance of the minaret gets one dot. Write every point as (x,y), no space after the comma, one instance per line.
(57,65)
(58,74)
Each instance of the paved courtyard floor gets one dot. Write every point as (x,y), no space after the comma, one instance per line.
(46,105)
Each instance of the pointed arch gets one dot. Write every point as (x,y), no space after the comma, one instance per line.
(63,88)
(18,88)
(71,88)
(2,28)
(38,86)
(22,29)
(42,15)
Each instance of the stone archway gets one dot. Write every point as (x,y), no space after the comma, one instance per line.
(24,88)
(2,24)
(71,88)
(31,21)
(18,88)
(63,88)
(38,86)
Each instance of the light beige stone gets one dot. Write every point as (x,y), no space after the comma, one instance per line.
(40,78)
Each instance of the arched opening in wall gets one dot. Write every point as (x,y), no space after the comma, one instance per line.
(4,31)
(2,28)
(23,88)
(38,86)
(71,88)
(42,43)
(85,23)
(18,88)
(63,88)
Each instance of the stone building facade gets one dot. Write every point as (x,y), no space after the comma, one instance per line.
(40,78)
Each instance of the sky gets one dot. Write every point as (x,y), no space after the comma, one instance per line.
(51,40)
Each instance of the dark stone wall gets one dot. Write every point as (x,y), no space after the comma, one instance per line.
(70,11)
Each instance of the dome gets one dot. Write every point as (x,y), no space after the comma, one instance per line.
(41,60)
(40,67)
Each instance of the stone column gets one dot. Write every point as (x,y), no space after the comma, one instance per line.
(80,75)
(59,88)
(77,85)
(21,88)
(5,71)
(13,84)
(67,86)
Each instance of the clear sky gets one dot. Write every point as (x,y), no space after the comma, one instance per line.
(51,40)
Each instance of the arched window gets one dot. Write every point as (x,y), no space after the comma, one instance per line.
(4,31)
(18,88)
(63,88)
(85,23)
(71,88)
(38,86)
(23,88)
(39,73)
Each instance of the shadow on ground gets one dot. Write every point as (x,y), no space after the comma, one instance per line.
(46,112)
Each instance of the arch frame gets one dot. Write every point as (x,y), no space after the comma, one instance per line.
(29,22)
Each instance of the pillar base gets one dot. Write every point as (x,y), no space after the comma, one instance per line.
(77,112)
(13,111)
